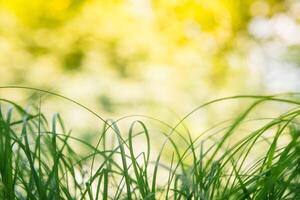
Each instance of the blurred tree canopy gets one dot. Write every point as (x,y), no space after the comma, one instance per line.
(144,51)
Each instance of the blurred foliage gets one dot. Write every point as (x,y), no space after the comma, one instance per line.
(37,13)
(133,52)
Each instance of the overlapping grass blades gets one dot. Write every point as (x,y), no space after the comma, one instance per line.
(39,159)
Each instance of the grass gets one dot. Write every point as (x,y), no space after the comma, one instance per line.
(40,159)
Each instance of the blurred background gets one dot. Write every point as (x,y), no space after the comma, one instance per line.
(156,57)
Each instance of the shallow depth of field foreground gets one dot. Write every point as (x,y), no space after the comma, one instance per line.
(250,156)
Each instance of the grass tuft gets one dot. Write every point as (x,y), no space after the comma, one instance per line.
(39,159)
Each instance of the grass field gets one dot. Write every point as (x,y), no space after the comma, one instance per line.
(41,159)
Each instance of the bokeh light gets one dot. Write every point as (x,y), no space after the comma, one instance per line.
(149,56)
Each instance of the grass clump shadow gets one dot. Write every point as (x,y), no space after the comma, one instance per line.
(40,159)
